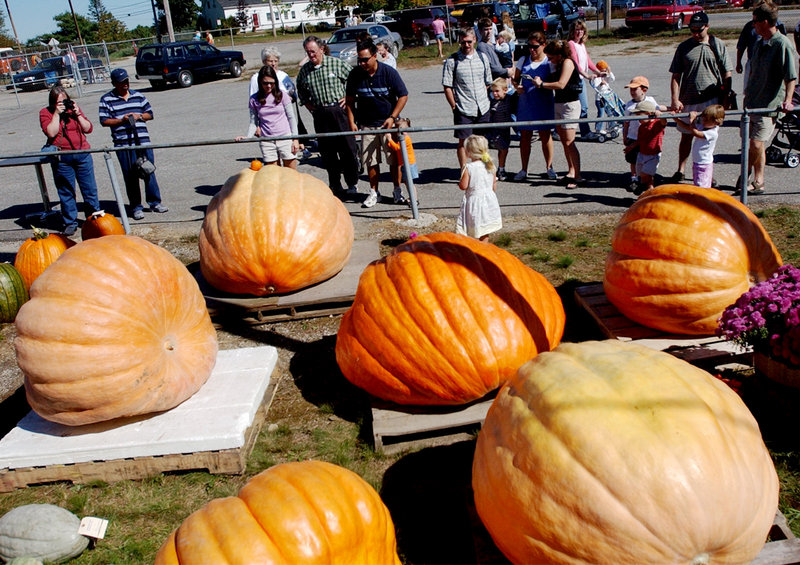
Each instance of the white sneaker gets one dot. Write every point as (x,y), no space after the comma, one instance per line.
(371,200)
(551,174)
(520,176)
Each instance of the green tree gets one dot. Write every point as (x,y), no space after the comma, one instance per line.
(5,39)
(66,32)
(184,14)
(109,28)
(241,18)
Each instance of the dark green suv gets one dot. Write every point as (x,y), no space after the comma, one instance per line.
(185,61)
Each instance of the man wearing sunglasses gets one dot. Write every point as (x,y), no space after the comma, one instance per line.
(465,76)
(375,97)
(701,75)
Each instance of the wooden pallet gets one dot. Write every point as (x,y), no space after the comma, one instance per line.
(397,428)
(333,296)
(783,547)
(222,461)
(707,352)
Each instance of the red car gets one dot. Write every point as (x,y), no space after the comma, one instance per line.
(661,13)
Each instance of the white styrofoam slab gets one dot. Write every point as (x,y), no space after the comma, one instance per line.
(215,418)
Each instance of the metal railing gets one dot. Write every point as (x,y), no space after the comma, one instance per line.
(744,128)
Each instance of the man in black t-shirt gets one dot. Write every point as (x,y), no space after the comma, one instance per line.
(375,96)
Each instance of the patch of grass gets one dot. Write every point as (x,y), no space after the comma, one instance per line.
(565,261)
(502,240)
(558,235)
(583,242)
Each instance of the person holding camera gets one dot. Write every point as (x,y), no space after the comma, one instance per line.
(125,111)
(65,126)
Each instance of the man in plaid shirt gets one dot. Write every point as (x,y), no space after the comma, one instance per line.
(321,88)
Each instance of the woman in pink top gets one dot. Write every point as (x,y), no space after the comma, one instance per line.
(438,32)
(578,33)
(272,115)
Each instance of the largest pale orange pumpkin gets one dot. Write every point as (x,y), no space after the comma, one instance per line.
(445,319)
(681,254)
(295,513)
(609,452)
(116,327)
(272,231)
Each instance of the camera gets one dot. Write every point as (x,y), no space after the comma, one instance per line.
(69,104)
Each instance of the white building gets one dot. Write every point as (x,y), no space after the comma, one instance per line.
(287,14)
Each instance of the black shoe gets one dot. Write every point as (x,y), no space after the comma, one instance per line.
(677,177)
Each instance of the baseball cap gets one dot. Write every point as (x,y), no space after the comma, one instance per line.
(698,19)
(638,81)
(119,75)
(644,107)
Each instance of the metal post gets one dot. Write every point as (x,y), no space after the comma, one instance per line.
(745,171)
(231,31)
(412,191)
(76,71)
(112,174)
(16,91)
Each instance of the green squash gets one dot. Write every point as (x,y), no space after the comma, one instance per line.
(42,531)
(13,293)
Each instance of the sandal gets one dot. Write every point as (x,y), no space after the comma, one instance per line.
(573,184)
(756,188)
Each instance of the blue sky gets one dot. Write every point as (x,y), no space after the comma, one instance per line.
(35,17)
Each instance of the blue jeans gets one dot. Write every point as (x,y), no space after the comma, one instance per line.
(584,127)
(601,111)
(66,171)
(127,162)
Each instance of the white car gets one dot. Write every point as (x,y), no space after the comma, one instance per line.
(343,41)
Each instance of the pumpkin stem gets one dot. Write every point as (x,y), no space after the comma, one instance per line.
(702,559)
(39,233)
(98,214)
(270,289)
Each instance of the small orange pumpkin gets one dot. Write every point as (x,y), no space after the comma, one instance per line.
(255,165)
(681,254)
(100,224)
(39,252)
(301,513)
(445,319)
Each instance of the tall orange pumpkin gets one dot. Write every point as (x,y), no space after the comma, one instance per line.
(611,452)
(38,252)
(272,231)
(681,254)
(100,224)
(307,512)
(116,327)
(445,319)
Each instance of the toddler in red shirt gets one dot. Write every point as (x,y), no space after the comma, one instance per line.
(651,137)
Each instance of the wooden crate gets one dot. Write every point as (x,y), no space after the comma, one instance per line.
(783,547)
(333,296)
(156,443)
(707,352)
(396,428)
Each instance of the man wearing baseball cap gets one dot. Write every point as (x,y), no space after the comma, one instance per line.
(125,111)
(701,74)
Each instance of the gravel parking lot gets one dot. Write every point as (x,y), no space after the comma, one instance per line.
(216,111)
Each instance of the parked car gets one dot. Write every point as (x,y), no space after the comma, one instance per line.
(586,8)
(552,18)
(661,13)
(342,43)
(382,19)
(713,4)
(414,25)
(185,61)
(621,5)
(51,70)
(468,15)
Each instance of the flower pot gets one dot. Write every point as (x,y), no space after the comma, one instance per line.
(776,370)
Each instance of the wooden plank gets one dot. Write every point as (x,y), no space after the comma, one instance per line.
(223,461)
(699,350)
(396,428)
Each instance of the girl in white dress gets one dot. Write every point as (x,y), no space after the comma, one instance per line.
(480,211)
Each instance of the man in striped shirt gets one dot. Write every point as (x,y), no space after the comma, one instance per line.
(321,88)
(125,111)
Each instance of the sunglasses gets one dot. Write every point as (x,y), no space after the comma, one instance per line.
(268,82)
(364,59)
(466,42)
(533,45)
(695,29)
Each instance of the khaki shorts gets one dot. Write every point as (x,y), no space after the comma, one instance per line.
(271,151)
(374,151)
(568,111)
(762,127)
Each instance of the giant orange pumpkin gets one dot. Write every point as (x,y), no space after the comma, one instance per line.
(116,327)
(38,252)
(272,231)
(681,254)
(308,512)
(610,452)
(445,319)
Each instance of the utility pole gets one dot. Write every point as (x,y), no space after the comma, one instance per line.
(155,21)
(13,28)
(272,19)
(75,20)
(168,18)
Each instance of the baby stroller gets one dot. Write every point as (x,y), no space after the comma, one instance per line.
(787,136)
(612,105)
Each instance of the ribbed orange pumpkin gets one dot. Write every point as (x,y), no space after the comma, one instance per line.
(308,512)
(681,254)
(445,319)
(39,252)
(116,327)
(100,224)
(272,231)
(610,452)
